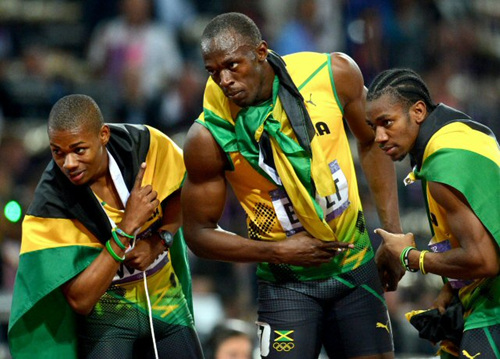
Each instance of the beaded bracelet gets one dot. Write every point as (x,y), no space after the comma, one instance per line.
(421,261)
(115,256)
(117,240)
(405,260)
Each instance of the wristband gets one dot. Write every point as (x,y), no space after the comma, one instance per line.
(405,260)
(117,240)
(122,233)
(421,261)
(115,256)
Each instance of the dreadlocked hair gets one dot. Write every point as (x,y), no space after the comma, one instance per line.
(404,84)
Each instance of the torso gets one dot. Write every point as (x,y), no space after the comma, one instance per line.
(269,211)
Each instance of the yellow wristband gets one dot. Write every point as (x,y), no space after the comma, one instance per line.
(421,261)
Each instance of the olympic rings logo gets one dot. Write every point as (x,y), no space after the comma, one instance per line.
(283,346)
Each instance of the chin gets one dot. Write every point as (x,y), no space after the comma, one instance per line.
(400,158)
(242,103)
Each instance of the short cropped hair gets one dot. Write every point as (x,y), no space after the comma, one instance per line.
(403,84)
(238,22)
(75,111)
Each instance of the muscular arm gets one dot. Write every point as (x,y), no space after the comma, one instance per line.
(203,200)
(83,291)
(478,254)
(377,167)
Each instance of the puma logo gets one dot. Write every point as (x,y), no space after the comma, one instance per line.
(381,325)
(310,100)
(464,352)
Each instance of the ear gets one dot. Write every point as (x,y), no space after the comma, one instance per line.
(104,134)
(262,51)
(419,111)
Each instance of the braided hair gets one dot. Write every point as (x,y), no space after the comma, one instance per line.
(404,85)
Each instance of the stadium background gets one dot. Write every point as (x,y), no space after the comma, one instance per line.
(51,48)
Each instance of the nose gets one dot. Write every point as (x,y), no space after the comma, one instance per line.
(380,134)
(70,162)
(226,78)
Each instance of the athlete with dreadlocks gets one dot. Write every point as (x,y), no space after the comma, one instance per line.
(457,160)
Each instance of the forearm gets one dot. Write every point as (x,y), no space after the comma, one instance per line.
(456,263)
(85,290)
(218,244)
(477,255)
(381,176)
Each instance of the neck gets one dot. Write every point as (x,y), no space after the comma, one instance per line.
(267,83)
(105,189)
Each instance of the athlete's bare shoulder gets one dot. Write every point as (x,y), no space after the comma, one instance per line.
(202,154)
(347,76)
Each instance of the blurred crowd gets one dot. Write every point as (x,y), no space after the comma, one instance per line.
(139,59)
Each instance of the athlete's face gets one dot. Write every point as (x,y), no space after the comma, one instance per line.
(80,153)
(396,126)
(237,67)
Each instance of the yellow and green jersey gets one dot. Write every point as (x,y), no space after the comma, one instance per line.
(463,154)
(65,229)
(274,206)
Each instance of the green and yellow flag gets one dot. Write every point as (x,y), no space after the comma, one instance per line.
(461,153)
(65,229)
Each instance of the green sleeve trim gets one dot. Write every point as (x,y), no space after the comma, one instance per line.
(312,75)
(334,89)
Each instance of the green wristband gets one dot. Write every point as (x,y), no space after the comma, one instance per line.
(117,240)
(122,233)
(402,256)
(405,261)
(113,254)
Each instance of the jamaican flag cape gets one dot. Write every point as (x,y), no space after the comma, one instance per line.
(283,134)
(464,154)
(65,228)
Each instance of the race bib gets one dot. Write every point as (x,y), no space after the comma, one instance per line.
(333,206)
